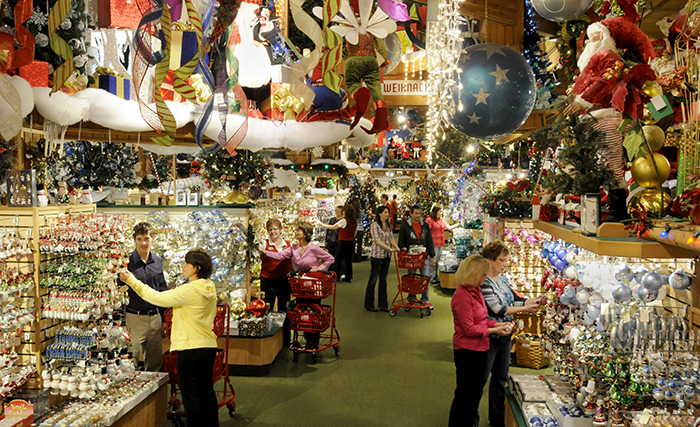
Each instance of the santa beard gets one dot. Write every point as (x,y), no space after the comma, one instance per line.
(594,47)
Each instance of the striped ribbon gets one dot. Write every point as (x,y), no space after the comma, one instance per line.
(463,173)
(332,57)
(58,14)
(227,11)
(185,71)
(307,25)
(12,125)
(166,117)
(144,57)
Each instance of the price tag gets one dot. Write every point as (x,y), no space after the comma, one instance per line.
(27,336)
(29,233)
(33,359)
(644,314)
(15,221)
(645,416)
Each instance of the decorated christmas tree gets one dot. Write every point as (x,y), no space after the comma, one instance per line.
(244,171)
(431,193)
(538,60)
(365,194)
(97,164)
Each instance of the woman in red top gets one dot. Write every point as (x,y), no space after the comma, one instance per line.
(471,339)
(273,273)
(346,241)
(437,229)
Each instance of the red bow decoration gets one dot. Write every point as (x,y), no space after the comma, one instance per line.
(640,224)
(627,97)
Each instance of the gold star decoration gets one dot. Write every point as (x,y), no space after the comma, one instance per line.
(481,97)
(492,49)
(474,118)
(500,74)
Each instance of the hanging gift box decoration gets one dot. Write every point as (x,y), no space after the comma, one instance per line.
(36,73)
(118,14)
(115,85)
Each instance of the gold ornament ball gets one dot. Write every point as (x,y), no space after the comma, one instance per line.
(644,173)
(655,136)
(650,200)
(651,90)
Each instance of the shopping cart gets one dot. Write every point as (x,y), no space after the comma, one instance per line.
(414,284)
(225,395)
(310,319)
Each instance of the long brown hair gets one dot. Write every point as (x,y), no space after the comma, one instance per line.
(434,212)
(349,212)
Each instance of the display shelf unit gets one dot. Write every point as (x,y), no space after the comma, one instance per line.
(614,246)
(253,351)
(28,223)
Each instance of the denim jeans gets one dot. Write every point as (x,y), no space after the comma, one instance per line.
(423,271)
(434,270)
(379,270)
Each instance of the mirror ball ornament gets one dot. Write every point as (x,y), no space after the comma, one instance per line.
(498,91)
(679,279)
(649,200)
(644,173)
(393,46)
(561,10)
(652,281)
(622,293)
(257,307)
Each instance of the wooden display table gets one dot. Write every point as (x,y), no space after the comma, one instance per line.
(514,415)
(447,280)
(151,412)
(253,351)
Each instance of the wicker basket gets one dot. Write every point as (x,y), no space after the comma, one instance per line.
(529,352)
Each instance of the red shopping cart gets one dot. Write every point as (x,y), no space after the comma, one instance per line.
(310,320)
(410,284)
(226,394)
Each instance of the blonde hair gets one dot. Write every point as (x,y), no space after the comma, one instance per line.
(472,270)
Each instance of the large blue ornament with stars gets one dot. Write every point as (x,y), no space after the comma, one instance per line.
(498,91)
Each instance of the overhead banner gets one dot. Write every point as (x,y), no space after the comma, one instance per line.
(405,87)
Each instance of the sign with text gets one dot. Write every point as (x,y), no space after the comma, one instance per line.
(405,87)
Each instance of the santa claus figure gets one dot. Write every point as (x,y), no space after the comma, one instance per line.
(608,89)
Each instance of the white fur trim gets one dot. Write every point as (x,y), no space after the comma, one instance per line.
(587,105)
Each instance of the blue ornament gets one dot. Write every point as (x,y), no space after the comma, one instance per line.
(562,254)
(70,151)
(544,253)
(560,264)
(498,91)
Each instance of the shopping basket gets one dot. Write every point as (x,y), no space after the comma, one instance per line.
(314,285)
(529,352)
(310,322)
(414,284)
(170,365)
(219,326)
(411,261)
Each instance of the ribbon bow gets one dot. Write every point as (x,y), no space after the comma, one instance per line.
(104,71)
(285,101)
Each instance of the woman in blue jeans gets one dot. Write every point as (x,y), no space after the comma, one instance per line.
(501,303)
(383,245)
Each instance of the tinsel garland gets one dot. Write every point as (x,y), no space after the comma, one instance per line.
(317,169)
(394,185)
(405,164)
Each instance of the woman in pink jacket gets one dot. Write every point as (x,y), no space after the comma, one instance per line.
(471,339)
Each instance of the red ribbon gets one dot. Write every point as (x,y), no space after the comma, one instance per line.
(24,55)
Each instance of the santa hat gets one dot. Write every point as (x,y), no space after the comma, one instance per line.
(627,37)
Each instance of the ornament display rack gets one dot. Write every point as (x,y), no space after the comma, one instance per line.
(139,213)
(28,222)
(684,302)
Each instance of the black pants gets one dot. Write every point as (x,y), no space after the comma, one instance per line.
(358,245)
(469,365)
(333,249)
(393,222)
(497,364)
(379,269)
(280,290)
(345,250)
(195,371)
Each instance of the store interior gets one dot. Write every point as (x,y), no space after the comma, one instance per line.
(568,130)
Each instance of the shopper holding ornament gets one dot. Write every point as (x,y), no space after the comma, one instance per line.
(383,244)
(346,241)
(273,273)
(437,228)
(502,303)
(143,319)
(470,340)
(304,254)
(194,308)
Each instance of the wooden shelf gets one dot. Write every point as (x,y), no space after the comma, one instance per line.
(614,246)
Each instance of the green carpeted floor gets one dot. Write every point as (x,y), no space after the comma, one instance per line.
(391,370)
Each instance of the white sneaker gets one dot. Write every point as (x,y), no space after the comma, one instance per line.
(342,277)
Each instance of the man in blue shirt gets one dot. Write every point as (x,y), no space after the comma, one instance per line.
(143,320)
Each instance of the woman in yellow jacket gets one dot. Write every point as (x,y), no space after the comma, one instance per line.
(192,336)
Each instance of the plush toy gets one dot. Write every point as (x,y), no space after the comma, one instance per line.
(265,31)
(364,40)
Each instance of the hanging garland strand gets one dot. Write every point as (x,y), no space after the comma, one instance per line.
(464,173)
